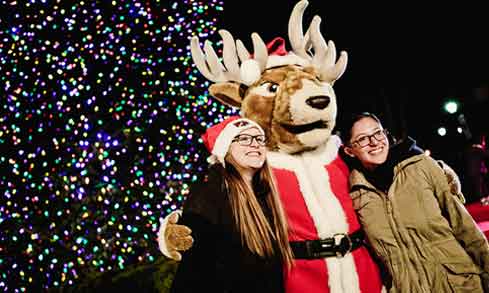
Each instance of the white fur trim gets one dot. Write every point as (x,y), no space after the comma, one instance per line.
(323,206)
(330,214)
(161,233)
(221,146)
(250,71)
(325,154)
(289,59)
(328,152)
(223,141)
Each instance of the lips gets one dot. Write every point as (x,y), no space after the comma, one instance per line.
(376,151)
(297,129)
(254,153)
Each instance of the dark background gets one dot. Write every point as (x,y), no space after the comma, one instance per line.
(101,113)
(405,60)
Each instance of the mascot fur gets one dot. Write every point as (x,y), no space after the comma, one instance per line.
(290,95)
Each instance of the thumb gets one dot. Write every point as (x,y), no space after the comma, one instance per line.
(175,255)
(173,218)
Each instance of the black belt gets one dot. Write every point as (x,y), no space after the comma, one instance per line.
(338,245)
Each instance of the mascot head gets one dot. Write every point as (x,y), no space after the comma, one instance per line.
(289,94)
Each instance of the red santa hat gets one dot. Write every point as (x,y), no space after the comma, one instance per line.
(219,137)
(277,56)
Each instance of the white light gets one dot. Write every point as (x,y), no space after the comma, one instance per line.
(459,129)
(451,107)
(427,152)
(442,131)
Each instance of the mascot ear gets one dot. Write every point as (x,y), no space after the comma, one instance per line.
(228,93)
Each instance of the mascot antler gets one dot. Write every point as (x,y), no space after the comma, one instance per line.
(235,56)
(324,54)
(240,67)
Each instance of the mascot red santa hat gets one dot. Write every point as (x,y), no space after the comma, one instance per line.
(290,95)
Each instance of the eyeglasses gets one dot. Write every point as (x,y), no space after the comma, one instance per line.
(364,141)
(247,140)
(240,123)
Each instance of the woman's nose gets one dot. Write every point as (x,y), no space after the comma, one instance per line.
(254,143)
(373,141)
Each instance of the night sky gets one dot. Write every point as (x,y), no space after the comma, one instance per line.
(101,111)
(405,59)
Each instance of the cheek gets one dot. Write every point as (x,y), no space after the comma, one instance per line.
(365,156)
(236,155)
(282,107)
(258,109)
(385,154)
(235,152)
(357,153)
(262,157)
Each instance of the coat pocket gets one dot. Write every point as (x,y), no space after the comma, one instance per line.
(463,277)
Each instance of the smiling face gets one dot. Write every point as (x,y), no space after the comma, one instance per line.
(248,157)
(368,143)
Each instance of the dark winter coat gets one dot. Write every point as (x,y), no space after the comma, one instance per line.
(217,261)
(418,228)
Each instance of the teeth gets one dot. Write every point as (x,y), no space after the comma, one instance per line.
(376,151)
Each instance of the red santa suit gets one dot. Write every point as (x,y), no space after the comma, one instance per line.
(314,190)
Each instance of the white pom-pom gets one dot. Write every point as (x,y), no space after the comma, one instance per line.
(250,71)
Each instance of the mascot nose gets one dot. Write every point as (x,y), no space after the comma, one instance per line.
(318,102)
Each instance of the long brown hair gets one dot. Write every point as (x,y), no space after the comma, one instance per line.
(262,237)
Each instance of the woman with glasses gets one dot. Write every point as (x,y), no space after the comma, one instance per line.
(415,225)
(236,218)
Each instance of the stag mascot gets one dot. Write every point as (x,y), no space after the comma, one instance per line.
(290,95)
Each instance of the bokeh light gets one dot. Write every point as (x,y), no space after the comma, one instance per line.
(100,123)
(451,107)
(442,131)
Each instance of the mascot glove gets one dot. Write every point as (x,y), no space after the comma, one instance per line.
(453,180)
(173,238)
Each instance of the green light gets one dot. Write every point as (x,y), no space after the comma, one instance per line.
(451,107)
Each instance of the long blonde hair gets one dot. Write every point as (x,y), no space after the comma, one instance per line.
(257,233)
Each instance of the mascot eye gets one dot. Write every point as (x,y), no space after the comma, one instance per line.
(266,89)
(272,87)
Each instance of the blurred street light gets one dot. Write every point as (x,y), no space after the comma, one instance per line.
(451,107)
(442,131)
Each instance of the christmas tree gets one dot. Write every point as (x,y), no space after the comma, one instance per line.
(100,123)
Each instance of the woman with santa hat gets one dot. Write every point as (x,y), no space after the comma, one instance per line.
(235,216)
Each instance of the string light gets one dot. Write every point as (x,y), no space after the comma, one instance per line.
(100,130)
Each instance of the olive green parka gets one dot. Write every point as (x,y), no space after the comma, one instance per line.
(420,231)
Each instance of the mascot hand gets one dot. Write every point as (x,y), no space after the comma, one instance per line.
(453,180)
(173,237)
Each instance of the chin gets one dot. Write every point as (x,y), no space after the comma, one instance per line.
(379,161)
(256,165)
(314,137)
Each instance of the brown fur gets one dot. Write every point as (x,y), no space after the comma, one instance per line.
(269,112)
(257,108)
(227,93)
